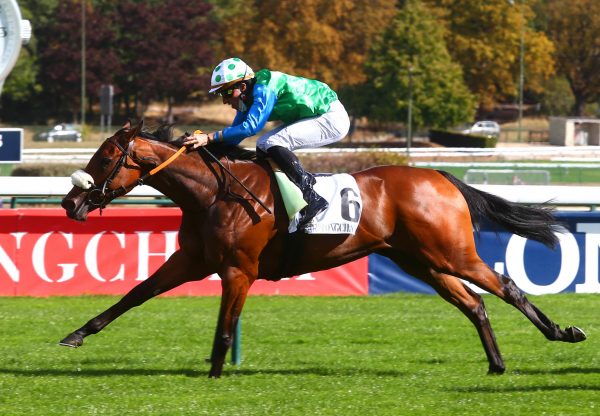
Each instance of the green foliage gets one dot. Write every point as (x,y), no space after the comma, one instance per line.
(574,26)
(382,355)
(411,57)
(454,139)
(149,50)
(557,99)
(165,50)
(322,39)
(347,163)
(484,37)
(21,85)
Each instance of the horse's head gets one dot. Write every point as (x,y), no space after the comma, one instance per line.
(113,171)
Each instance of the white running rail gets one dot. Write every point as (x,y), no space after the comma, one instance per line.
(47,186)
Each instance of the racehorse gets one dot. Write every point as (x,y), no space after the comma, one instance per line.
(422,219)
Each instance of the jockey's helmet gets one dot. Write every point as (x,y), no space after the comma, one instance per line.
(228,73)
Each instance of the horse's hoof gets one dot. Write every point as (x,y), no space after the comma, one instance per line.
(214,375)
(73,340)
(496,370)
(575,334)
(215,372)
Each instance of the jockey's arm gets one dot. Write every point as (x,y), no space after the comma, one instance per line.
(248,124)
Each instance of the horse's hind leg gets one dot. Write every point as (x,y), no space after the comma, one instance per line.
(551,330)
(480,274)
(174,272)
(468,302)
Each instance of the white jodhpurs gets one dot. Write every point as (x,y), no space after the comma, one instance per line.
(311,132)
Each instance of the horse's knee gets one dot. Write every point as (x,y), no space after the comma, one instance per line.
(226,341)
(221,345)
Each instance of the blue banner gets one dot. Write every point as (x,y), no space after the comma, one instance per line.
(11,145)
(571,267)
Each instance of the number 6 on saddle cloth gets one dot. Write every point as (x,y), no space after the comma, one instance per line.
(340,190)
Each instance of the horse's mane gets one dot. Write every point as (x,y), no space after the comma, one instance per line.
(164,134)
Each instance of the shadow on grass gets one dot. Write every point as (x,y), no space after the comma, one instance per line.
(319,371)
(525,389)
(566,370)
(101,372)
(534,372)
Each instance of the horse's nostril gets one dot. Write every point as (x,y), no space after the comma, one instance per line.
(68,204)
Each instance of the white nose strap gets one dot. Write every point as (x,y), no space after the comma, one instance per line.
(82,179)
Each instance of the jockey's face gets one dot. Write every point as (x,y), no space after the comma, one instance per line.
(234,95)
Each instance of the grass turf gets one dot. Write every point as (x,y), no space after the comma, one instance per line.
(388,355)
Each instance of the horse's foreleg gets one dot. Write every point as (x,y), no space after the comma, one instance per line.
(235,290)
(471,304)
(468,302)
(174,272)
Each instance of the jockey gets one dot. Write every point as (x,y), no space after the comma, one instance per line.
(311,113)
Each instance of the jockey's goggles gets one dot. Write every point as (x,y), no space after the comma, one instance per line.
(227,93)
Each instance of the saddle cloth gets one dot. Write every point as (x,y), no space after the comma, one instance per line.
(345,206)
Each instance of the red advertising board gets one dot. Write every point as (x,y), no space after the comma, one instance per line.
(43,253)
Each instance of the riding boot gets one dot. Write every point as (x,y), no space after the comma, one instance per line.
(291,166)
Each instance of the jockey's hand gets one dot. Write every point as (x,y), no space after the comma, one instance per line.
(196,140)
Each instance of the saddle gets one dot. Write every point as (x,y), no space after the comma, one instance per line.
(340,190)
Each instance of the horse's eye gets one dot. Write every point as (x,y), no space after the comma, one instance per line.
(106,162)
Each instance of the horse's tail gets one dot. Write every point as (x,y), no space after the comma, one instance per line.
(536,223)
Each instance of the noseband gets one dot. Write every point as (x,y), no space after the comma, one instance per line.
(97,196)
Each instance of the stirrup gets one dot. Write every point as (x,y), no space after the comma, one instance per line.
(311,211)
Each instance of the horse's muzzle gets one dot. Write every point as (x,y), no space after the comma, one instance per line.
(75,206)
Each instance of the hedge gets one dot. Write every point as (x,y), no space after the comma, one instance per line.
(318,163)
(454,139)
(46,169)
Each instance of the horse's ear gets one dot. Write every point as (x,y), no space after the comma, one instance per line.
(130,132)
(137,129)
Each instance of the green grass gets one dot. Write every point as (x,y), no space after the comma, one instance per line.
(387,355)
(558,175)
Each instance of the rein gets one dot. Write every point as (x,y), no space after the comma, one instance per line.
(222,166)
(97,196)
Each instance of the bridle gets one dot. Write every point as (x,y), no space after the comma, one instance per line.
(98,196)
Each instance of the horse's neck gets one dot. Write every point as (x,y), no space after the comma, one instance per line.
(191,182)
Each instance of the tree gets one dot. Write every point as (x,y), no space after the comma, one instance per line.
(415,41)
(166,49)
(557,99)
(485,36)
(574,26)
(322,39)
(146,49)
(60,55)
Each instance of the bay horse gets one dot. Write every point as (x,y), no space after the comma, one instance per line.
(422,219)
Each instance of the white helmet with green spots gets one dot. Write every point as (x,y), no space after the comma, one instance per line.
(229,72)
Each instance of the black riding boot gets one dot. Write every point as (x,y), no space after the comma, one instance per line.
(291,166)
